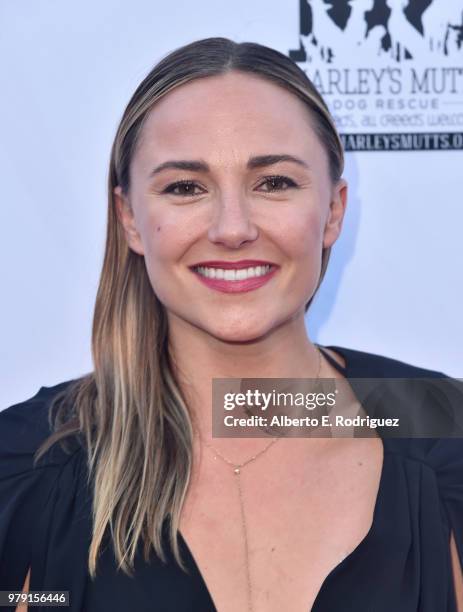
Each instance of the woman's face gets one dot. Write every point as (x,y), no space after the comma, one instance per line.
(223,137)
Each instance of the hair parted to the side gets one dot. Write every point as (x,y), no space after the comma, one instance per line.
(130,413)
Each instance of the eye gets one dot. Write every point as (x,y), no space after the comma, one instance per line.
(186,188)
(276,180)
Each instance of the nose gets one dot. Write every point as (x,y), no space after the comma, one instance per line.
(232,225)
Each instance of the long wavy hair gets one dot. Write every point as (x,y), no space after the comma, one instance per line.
(130,413)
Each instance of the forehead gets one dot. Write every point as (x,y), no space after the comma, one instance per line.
(234,115)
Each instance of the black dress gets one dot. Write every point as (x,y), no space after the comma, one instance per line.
(402,565)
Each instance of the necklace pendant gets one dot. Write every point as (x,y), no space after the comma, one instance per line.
(237,471)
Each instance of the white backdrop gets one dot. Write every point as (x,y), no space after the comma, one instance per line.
(68,68)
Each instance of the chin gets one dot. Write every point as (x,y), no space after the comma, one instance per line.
(240,331)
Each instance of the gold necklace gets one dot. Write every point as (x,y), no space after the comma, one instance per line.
(237,471)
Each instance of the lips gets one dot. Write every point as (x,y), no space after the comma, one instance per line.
(230,277)
(233,265)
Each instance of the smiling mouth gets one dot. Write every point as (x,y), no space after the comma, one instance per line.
(235,280)
(233,274)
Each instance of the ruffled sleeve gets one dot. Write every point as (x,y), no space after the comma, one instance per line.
(446,457)
(24,489)
(41,504)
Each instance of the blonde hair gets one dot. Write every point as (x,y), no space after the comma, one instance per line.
(130,412)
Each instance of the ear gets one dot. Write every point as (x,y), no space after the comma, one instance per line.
(126,217)
(336,213)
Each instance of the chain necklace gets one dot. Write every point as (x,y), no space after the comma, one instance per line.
(237,471)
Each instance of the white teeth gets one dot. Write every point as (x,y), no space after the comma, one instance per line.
(232,275)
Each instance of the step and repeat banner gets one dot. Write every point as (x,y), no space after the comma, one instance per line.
(391,72)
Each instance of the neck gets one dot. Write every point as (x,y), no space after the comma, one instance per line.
(199,357)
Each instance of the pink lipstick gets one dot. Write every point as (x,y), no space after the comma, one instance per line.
(234,276)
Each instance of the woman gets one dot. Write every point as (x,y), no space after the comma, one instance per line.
(226,158)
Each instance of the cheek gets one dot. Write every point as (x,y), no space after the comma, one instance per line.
(303,236)
(165,242)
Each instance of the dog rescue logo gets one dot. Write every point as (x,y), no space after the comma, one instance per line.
(391,71)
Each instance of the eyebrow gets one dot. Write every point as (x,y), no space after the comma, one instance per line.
(258,161)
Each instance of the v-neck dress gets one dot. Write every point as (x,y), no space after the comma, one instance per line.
(402,565)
